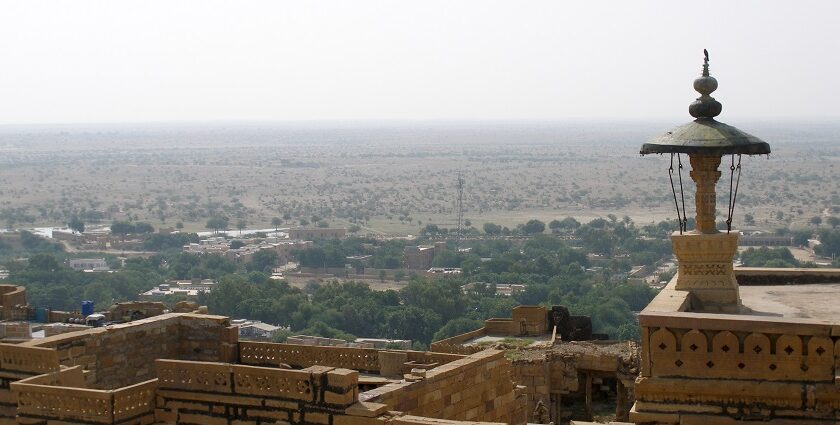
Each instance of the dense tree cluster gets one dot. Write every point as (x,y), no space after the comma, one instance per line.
(127,227)
(768,257)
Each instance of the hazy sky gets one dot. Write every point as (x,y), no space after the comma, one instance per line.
(119,61)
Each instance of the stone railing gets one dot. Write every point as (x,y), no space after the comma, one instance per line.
(75,404)
(263,391)
(16,358)
(431,357)
(273,354)
(56,396)
(135,400)
(703,346)
(229,378)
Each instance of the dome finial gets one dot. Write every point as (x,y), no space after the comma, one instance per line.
(705,106)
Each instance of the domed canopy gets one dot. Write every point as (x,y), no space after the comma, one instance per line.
(705,136)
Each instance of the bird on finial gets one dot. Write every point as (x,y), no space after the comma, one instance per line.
(705,106)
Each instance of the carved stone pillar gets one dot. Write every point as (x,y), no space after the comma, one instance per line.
(704,172)
(705,255)
(705,269)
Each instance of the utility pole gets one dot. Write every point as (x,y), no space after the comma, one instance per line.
(460,233)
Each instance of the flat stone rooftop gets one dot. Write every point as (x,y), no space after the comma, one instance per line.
(523,341)
(801,301)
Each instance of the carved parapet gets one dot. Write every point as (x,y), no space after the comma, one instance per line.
(313,385)
(194,376)
(736,366)
(19,358)
(135,400)
(704,354)
(268,382)
(705,269)
(273,354)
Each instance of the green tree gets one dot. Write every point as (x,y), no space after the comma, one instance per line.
(455,327)
(492,228)
(122,228)
(412,323)
(276,222)
(143,228)
(768,257)
(241,225)
(76,224)
(43,262)
(442,296)
(533,227)
(263,260)
(217,223)
(829,243)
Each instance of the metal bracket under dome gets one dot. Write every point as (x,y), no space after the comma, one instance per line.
(682,220)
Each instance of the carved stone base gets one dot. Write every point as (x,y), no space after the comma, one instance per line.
(705,270)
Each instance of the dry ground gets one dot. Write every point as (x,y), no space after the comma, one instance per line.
(390,181)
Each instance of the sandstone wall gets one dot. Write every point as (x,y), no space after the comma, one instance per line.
(475,388)
(455,343)
(62,398)
(361,359)
(12,295)
(15,331)
(198,393)
(124,354)
(718,368)
(535,319)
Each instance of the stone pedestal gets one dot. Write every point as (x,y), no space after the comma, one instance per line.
(705,269)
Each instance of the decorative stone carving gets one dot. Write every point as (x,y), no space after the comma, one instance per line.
(705,269)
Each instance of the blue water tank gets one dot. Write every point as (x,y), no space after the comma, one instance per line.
(42,315)
(87,308)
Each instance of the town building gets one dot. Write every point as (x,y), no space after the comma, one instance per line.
(421,257)
(312,233)
(256,330)
(88,264)
(222,246)
(761,239)
(187,288)
(501,289)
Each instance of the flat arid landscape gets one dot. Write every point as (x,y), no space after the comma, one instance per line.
(390,179)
